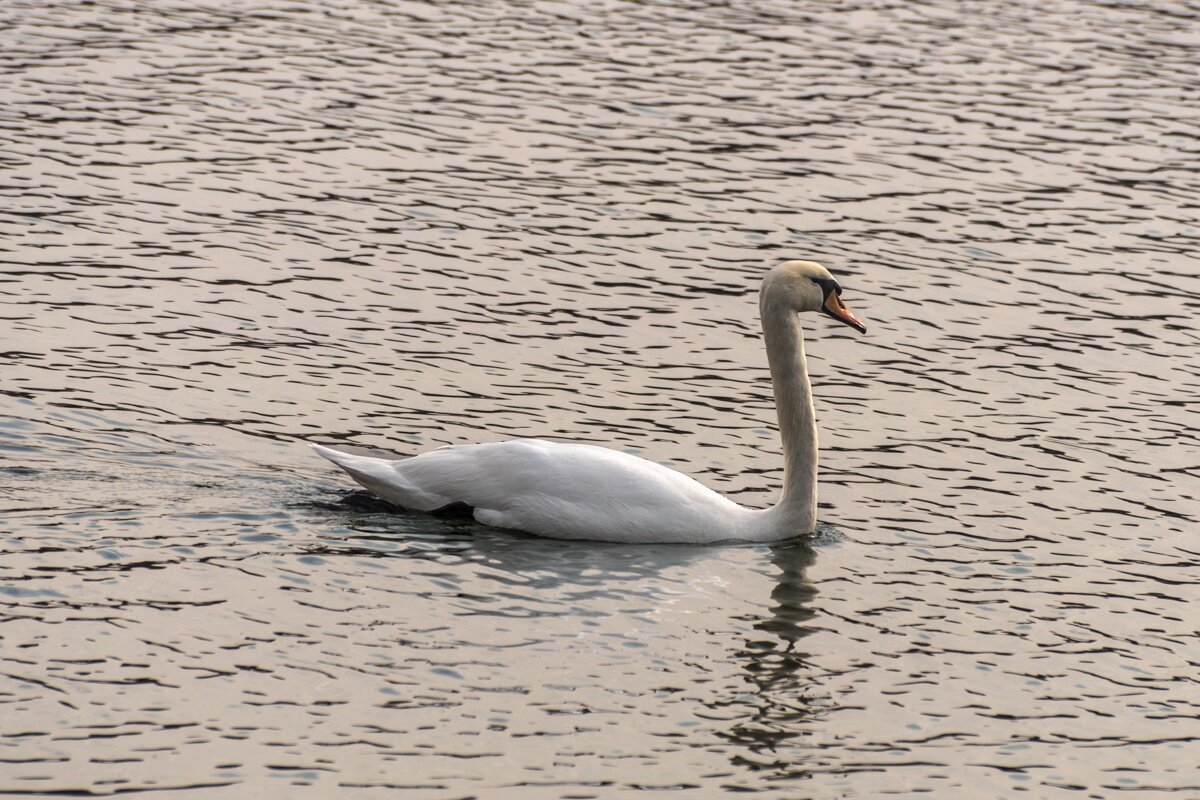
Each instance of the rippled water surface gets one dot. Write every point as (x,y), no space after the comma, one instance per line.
(231,227)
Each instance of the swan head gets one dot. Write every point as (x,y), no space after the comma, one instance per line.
(808,286)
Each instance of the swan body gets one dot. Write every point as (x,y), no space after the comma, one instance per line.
(580,491)
(558,490)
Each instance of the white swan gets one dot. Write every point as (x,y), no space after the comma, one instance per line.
(580,491)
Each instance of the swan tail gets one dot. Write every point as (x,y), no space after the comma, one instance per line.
(382,478)
(336,456)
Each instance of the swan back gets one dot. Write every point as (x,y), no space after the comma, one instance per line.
(559,490)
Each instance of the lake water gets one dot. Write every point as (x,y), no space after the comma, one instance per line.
(230,227)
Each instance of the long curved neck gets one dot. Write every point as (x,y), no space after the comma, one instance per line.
(797,507)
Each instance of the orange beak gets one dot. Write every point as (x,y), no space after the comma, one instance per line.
(836,309)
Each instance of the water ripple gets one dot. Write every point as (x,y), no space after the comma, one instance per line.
(230,226)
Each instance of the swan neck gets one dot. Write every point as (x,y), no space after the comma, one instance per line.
(797,507)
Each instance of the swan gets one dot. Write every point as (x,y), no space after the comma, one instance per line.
(583,491)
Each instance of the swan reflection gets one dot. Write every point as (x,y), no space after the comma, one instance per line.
(776,667)
(744,610)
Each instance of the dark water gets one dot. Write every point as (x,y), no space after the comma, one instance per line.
(229,227)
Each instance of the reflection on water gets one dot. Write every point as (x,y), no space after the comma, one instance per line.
(779,669)
(230,227)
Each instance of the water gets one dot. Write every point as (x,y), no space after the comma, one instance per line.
(230,227)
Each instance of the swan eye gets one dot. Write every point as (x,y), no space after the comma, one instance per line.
(828,285)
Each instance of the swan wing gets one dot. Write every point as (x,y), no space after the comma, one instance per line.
(566,491)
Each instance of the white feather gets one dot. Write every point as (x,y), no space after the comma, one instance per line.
(565,491)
